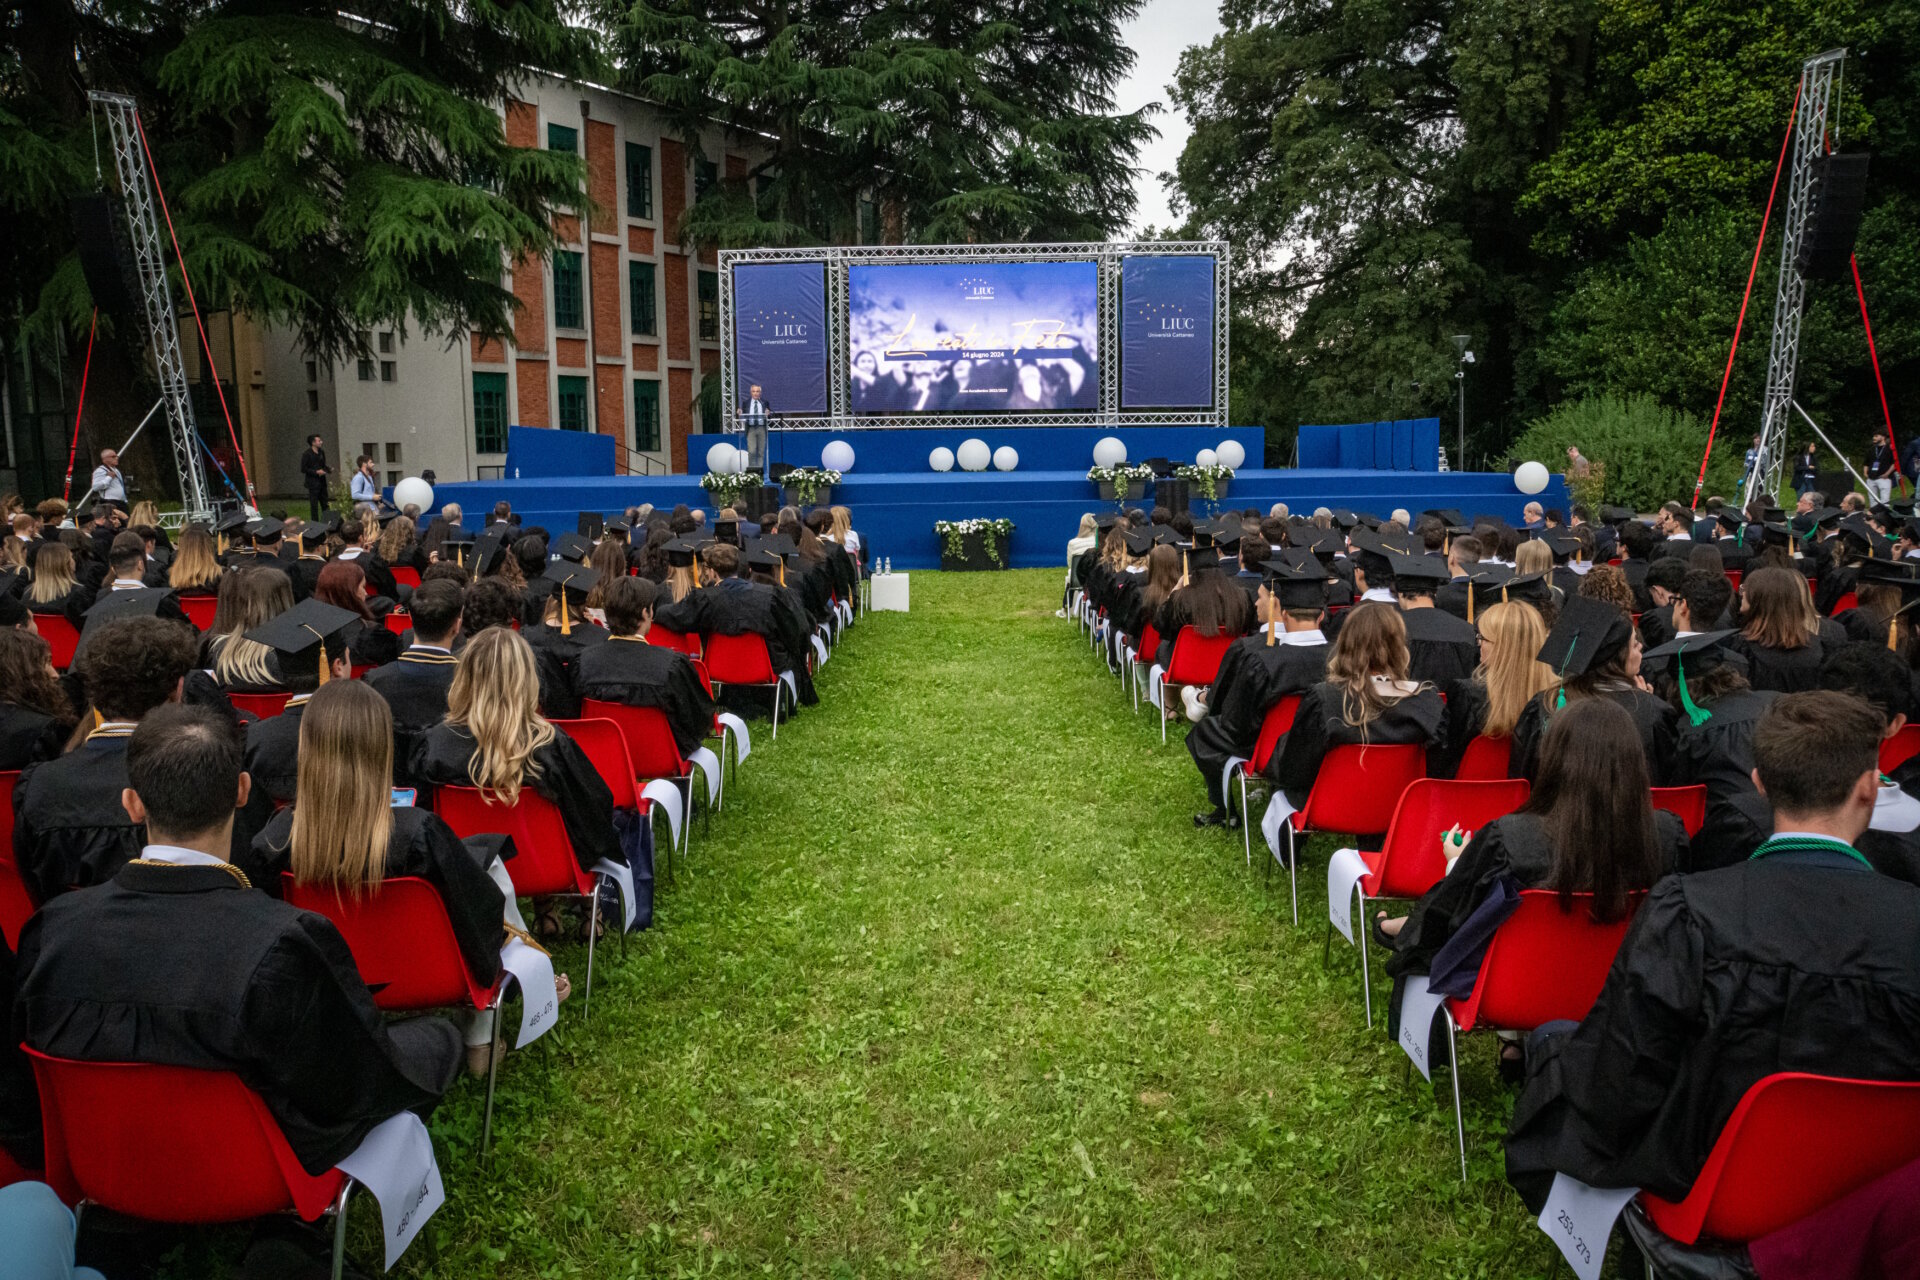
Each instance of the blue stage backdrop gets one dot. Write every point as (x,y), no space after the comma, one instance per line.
(1166,332)
(974,337)
(780,339)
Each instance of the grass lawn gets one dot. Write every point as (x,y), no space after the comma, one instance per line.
(955,988)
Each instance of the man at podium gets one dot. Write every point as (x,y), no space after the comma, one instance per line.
(755,417)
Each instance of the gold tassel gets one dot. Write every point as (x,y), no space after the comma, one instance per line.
(1185,568)
(1272,627)
(783,570)
(1469,602)
(1893,632)
(566,618)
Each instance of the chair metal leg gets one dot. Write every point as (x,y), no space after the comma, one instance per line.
(593,936)
(777,686)
(1293,871)
(1163,712)
(340,1229)
(496,1050)
(1366,939)
(1246,817)
(1453,1073)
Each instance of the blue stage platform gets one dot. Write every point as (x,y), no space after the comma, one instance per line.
(895,511)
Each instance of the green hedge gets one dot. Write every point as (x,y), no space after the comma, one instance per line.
(1644,453)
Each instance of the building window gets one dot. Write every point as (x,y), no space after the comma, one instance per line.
(393,477)
(366,371)
(386,371)
(705,174)
(489,413)
(639,181)
(386,344)
(561,137)
(393,453)
(313,400)
(568,307)
(709,305)
(369,450)
(313,371)
(571,405)
(646,415)
(640,297)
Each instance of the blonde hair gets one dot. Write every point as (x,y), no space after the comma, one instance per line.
(343,805)
(681,581)
(52,574)
(1372,642)
(144,512)
(1088,525)
(394,539)
(1533,557)
(495,697)
(248,599)
(842,524)
(1512,672)
(194,563)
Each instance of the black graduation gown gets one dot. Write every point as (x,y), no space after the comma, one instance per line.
(1737,826)
(1835,581)
(183,965)
(1719,753)
(557,656)
(272,754)
(1319,726)
(1176,611)
(629,670)
(73,606)
(1656,626)
(20,1135)
(1656,721)
(1861,626)
(1440,647)
(1793,962)
(1253,677)
(1734,554)
(305,573)
(1466,714)
(814,585)
(415,686)
(28,736)
(1782,670)
(737,607)
(1635,570)
(424,846)
(380,579)
(561,772)
(370,644)
(683,616)
(1452,598)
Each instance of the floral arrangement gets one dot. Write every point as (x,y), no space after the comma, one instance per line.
(953,535)
(807,482)
(727,486)
(1121,476)
(1207,481)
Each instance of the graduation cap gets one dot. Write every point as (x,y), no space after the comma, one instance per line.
(1302,558)
(1562,544)
(1326,544)
(487,551)
(1486,585)
(1530,588)
(1618,515)
(760,558)
(266,530)
(232,522)
(1419,574)
(1731,517)
(1775,535)
(779,544)
(1200,559)
(1139,542)
(620,527)
(1344,518)
(313,535)
(1898,575)
(386,511)
(1296,587)
(333,522)
(1166,536)
(125,604)
(310,627)
(1587,634)
(680,552)
(1446,515)
(723,530)
(1105,520)
(1706,651)
(571,583)
(570,546)
(460,542)
(1856,529)
(1228,539)
(589,524)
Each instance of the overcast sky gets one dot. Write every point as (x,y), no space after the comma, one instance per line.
(1161,32)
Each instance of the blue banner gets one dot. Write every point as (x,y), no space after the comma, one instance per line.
(780,335)
(973,337)
(1166,332)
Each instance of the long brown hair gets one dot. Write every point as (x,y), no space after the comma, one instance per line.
(52,574)
(1163,575)
(495,697)
(26,676)
(248,598)
(1215,606)
(1512,670)
(339,585)
(609,560)
(1372,642)
(194,562)
(343,805)
(1773,614)
(395,536)
(1591,792)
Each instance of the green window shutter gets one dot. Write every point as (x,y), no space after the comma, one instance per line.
(562,137)
(489,413)
(705,174)
(646,415)
(568,306)
(641,297)
(709,305)
(571,405)
(639,181)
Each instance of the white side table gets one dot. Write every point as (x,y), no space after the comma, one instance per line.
(888,592)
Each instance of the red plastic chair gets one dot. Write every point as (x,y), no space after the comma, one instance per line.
(61,636)
(1355,792)
(605,744)
(176,1145)
(1848,600)
(1689,804)
(1149,646)
(263,705)
(1794,1145)
(1409,861)
(1543,964)
(398,621)
(1273,727)
(1485,760)
(404,948)
(200,610)
(685,643)
(1733,577)
(406,575)
(1900,748)
(12,1171)
(1195,660)
(16,904)
(651,749)
(543,865)
(744,659)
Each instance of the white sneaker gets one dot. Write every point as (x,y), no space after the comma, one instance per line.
(1196,709)
(1059,613)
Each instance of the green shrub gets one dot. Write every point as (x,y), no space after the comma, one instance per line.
(1643,453)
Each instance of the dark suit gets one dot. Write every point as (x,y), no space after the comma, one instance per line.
(415,686)
(312,463)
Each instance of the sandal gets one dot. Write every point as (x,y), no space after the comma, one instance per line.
(1513,1063)
(546,924)
(1390,941)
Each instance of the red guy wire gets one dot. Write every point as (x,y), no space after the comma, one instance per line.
(1874,356)
(73,450)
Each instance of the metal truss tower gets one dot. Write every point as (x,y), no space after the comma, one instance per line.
(163,329)
(1818,78)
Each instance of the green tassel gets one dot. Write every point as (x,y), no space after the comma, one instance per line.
(1695,712)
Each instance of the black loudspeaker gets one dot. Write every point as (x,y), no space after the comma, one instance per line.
(106,253)
(759,501)
(1175,493)
(1833,221)
(1836,484)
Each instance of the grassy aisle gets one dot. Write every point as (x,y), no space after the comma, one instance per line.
(955,988)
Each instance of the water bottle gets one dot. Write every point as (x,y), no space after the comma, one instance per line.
(889,564)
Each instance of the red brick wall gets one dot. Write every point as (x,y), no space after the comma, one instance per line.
(600,170)
(610,401)
(567,227)
(673,185)
(640,241)
(488,350)
(679,417)
(570,353)
(646,355)
(709,360)
(530,317)
(523,124)
(531,375)
(609,299)
(736,166)
(679,318)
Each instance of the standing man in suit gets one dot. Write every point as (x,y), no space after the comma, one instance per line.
(755,417)
(314,471)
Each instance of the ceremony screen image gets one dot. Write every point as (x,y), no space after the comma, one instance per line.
(975,337)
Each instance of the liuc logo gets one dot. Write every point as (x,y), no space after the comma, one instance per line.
(975,289)
(1180,322)
(789,331)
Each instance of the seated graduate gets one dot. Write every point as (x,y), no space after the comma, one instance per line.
(173,961)
(249,599)
(564,637)
(681,577)
(1800,958)
(495,738)
(415,684)
(737,605)
(310,636)
(1287,656)
(305,568)
(1463,557)
(1595,651)
(629,670)
(1147,589)
(127,571)
(1592,778)
(36,718)
(345,833)
(1869,619)
(362,537)
(56,588)
(1780,649)
(195,570)
(1704,680)
(609,560)
(1510,675)
(1207,601)
(343,584)
(1366,697)
(1440,647)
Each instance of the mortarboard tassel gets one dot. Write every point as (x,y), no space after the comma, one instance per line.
(566,617)
(1893,632)
(325,671)
(1469,603)
(1696,713)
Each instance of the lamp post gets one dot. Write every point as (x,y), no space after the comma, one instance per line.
(1460,341)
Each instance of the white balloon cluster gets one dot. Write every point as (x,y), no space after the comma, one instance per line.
(974,455)
(413,492)
(727,459)
(1230,453)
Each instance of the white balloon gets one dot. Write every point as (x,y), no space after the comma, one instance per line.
(941,459)
(1005,459)
(1231,453)
(1530,477)
(1111,451)
(974,454)
(741,458)
(1205,458)
(837,456)
(413,492)
(720,457)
